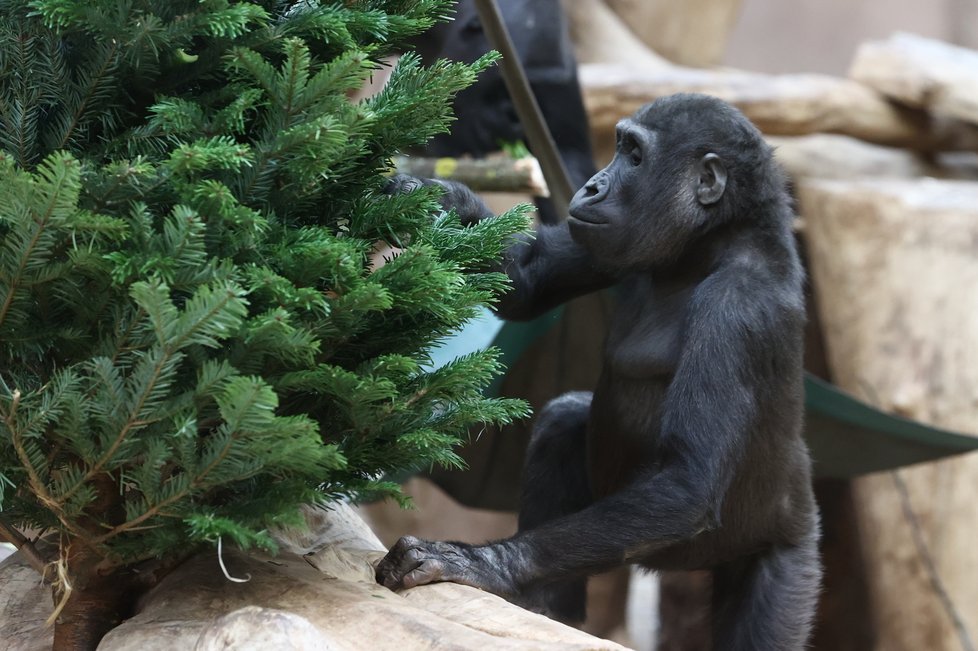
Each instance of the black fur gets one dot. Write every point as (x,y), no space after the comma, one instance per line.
(486,114)
(689,454)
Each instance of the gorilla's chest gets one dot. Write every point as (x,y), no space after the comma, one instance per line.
(645,338)
(642,352)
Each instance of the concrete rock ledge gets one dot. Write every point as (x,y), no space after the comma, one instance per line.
(317,594)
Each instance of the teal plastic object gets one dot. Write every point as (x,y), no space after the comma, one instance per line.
(847,437)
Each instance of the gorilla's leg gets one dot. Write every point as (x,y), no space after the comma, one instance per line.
(767,601)
(555,484)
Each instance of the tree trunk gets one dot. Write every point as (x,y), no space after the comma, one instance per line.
(95,605)
(895,268)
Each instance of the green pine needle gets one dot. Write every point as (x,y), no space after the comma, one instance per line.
(209,313)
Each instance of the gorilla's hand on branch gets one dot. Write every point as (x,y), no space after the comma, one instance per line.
(404,184)
(412,562)
(467,205)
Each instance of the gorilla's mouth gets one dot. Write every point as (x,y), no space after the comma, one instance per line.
(592,222)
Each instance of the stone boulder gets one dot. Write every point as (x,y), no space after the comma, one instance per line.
(923,73)
(894,264)
(317,593)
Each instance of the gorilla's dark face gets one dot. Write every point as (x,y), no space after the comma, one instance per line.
(677,161)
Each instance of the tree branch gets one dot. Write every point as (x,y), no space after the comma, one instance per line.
(24,546)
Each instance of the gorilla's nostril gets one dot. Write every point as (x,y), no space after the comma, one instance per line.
(590,189)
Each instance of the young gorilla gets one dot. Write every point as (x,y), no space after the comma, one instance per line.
(689,453)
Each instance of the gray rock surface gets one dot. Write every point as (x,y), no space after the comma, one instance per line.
(317,593)
(923,73)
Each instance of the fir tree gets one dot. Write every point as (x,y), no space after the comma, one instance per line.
(194,340)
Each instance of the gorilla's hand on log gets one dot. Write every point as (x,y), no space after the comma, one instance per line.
(412,562)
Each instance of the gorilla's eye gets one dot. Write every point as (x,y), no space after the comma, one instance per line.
(630,149)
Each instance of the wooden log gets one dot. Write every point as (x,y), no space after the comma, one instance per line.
(796,104)
(895,269)
(692,33)
(495,174)
(923,73)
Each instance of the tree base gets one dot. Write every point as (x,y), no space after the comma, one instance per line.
(92,612)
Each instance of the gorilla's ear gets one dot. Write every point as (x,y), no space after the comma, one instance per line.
(712,180)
